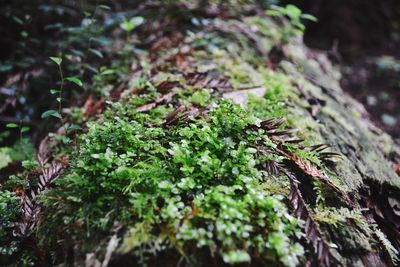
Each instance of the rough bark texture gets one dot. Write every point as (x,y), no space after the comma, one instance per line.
(367,168)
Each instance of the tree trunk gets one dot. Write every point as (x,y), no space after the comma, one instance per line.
(347,194)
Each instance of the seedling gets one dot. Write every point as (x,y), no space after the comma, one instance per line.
(22,129)
(130,25)
(72,79)
(56,113)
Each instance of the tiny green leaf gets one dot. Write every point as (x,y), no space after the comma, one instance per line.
(126,26)
(104,7)
(12,125)
(75,80)
(66,140)
(74,127)
(56,60)
(293,11)
(136,21)
(108,72)
(272,13)
(24,34)
(309,17)
(51,112)
(18,20)
(5,67)
(53,91)
(25,129)
(77,52)
(92,69)
(129,25)
(96,52)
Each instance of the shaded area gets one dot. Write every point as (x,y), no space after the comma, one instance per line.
(363,36)
(33,31)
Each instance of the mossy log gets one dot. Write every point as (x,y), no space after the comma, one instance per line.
(171,172)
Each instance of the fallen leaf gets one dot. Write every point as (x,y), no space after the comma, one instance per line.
(164,99)
(91,106)
(397,169)
(312,232)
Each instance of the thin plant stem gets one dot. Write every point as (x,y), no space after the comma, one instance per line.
(20,129)
(92,21)
(61,88)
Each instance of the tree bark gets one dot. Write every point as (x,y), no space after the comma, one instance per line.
(324,114)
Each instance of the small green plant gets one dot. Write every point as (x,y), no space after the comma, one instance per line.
(22,129)
(71,129)
(72,79)
(56,113)
(11,253)
(9,212)
(10,154)
(295,27)
(131,24)
(20,151)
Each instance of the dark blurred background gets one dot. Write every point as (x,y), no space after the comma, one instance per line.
(363,36)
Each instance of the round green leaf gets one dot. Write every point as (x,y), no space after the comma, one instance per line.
(51,112)
(56,60)
(25,129)
(75,80)
(12,125)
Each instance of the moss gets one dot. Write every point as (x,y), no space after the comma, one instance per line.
(22,150)
(182,188)
(200,181)
(11,249)
(340,124)
(188,186)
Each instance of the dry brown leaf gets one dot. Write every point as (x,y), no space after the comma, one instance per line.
(164,99)
(397,169)
(312,232)
(312,171)
(30,207)
(92,106)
